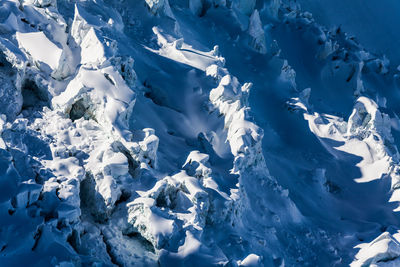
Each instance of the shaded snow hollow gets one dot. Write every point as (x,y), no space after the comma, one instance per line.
(199,133)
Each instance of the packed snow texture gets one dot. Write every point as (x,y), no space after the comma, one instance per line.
(199,133)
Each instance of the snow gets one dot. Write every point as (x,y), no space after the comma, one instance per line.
(250,260)
(246,7)
(40,48)
(155,5)
(181,52)
(357,137)
(384,248)
(257,33)
(92,51)
(196,6)
(199,133)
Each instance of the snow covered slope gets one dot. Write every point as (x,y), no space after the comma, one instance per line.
(199,133)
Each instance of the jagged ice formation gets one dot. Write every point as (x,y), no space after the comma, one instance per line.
(198,133)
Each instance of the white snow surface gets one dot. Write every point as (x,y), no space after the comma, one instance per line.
(199,133)
(37,45)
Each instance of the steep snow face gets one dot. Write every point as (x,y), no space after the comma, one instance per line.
(196,133)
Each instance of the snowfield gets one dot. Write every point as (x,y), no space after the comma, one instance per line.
(199,133)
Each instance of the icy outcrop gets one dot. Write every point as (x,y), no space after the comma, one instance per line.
(366,134)
(155,5)
(250,260)
(243,135)
(245,7)
(48,53)
(257,34)
(200,7)
(110,169)
(288,74)
(272,8)
(160,7)
(181,52)
(154,227)
(125,66)
(148,148)
(92,50)
(80,27)
(197,7)
(54,55)
(366,118)
(97,88)
(10,97)
(27,194)
(382,251)
(197,165)
(245,140)
(41,3)
(186,201)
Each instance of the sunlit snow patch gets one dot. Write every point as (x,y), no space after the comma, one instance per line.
(178,51)
(40,48)
(365,135)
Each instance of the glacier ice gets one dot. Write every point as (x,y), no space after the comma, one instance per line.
(198,133)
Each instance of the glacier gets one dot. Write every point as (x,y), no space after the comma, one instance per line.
(199,133)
